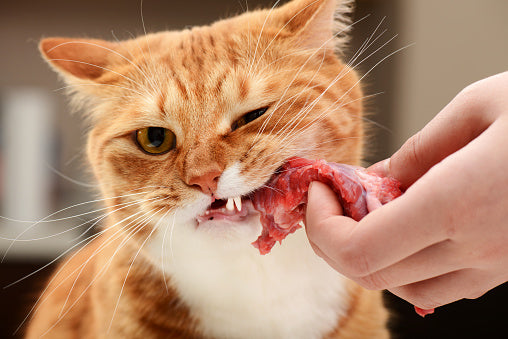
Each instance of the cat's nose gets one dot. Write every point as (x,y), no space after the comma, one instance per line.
(207,182)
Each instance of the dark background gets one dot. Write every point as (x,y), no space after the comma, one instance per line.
(23,23)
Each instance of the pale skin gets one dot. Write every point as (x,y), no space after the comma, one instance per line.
(446,238)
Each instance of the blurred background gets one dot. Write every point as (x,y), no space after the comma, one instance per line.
(445,45)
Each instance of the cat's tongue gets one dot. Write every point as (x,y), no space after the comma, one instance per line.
(220,210)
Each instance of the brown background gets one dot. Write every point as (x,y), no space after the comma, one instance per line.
(456,42)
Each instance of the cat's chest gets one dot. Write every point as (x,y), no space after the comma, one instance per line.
(235,292)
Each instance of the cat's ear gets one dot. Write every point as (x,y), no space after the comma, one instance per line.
(80,60)
(316,23)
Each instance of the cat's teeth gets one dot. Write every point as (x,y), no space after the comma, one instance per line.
(230,205)
(238,203)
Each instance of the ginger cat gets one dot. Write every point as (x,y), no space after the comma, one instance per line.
(186,124)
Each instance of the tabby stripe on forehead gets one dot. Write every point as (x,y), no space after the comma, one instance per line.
(220,83)
(179,84)
(161,104)
(212,40)
(244,87)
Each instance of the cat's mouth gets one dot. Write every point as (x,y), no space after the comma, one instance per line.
(231,209)
(234,209)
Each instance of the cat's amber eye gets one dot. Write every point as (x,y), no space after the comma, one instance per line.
(249,117)
(156,140)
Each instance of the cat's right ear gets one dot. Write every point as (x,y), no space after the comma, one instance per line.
(79,60)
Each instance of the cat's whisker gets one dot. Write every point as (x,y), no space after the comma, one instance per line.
(66,177)
(83,267)
(51,262)
(79,243)
(100,67)
(18,237)
(288,146)
(364,46)
(47,220)
(99,46)
(163,250)
(320,117)
(158,86)
(145,75)
(101,271)
(296,98)
(307,110)
(60,219)
(265,123)
(107,241)
(114,211)
(130,267)
(280,31)
(99,218)
(131,231)
(99,85)
(331,109)
(249,72)
(40,300)
(171,239)
(300,52)
(137,225)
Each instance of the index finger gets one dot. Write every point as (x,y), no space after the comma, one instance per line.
(455,126)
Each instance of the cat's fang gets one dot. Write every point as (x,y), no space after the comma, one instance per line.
(230,205)
(238,203)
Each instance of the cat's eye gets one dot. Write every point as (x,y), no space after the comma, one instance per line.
(249,117)
(156,140)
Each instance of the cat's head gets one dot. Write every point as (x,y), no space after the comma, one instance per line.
(182,118)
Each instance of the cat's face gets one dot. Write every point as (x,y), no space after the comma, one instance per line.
(181,120)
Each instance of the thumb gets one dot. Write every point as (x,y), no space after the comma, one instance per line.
(322,202)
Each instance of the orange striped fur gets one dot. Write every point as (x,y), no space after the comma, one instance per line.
(152,273)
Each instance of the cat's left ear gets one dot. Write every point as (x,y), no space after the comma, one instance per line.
(316,23)
(82,63)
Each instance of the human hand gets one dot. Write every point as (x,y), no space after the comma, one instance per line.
(446,238)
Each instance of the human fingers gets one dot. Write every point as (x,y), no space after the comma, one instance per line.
(432,293)
(322,202)
(324,222)
(385,236)
(463,199)
(433,261)
(461,121)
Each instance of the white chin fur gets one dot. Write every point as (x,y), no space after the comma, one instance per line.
(237,293)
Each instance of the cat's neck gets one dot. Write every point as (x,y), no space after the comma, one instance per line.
(233,291)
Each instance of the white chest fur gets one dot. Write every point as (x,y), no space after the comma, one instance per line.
(237,293)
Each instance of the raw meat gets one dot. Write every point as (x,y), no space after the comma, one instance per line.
(282,201)
(423,312)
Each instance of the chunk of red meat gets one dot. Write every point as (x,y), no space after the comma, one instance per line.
(282,201)
(423,312)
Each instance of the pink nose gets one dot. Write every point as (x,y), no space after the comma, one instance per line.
(207,182)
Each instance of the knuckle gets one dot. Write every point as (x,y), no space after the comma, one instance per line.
(373,282)
(473,98)
(475,294)
(355,261)
(415,150)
